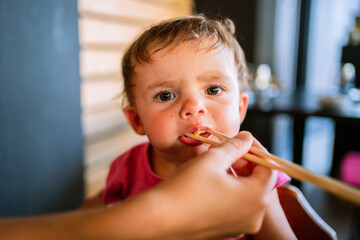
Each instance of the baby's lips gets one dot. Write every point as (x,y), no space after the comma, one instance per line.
(189,141)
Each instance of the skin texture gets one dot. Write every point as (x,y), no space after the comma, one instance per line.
(186,88)
(197,202)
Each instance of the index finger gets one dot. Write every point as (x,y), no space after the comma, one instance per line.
(258,145)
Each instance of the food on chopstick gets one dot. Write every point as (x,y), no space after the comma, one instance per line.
(199,132)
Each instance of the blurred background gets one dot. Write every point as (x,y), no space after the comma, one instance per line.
(60,69)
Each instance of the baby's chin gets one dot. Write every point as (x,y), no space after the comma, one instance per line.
(178,152)
(188,153)
(193,152)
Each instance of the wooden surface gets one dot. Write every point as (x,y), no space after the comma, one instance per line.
(303,219)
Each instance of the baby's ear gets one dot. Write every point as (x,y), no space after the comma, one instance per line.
(244,101)
(134,119)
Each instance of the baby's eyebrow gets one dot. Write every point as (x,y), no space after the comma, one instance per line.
(160,84)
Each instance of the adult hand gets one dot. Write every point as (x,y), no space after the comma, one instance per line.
(209,202)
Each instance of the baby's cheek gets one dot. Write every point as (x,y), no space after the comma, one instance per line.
(160,128)
(234,120)
(229,124)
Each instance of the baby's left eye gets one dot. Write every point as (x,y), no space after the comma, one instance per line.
(214,90)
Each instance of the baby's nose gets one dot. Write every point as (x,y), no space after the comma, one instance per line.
(192,108)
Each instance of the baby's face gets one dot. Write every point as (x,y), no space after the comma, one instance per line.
(184,90)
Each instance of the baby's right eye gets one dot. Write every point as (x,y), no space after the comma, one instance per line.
(164,96)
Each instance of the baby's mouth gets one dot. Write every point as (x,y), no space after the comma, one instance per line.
(192,142)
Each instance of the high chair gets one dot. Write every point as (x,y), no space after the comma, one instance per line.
(303,219)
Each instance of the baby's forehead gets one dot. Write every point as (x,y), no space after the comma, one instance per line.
(171,56)
(198,46)
(186,61)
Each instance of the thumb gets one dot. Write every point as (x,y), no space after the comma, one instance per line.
(232,150)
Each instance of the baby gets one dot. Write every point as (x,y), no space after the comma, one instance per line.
(181,76)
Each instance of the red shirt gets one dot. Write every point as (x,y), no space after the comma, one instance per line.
(130,174)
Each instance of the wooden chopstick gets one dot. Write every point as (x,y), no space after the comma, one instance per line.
(253,150)
(294,170)
(202,139)
(247,155)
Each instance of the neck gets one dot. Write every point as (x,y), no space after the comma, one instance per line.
(164,164)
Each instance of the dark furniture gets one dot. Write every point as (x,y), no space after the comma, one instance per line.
(300,106)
